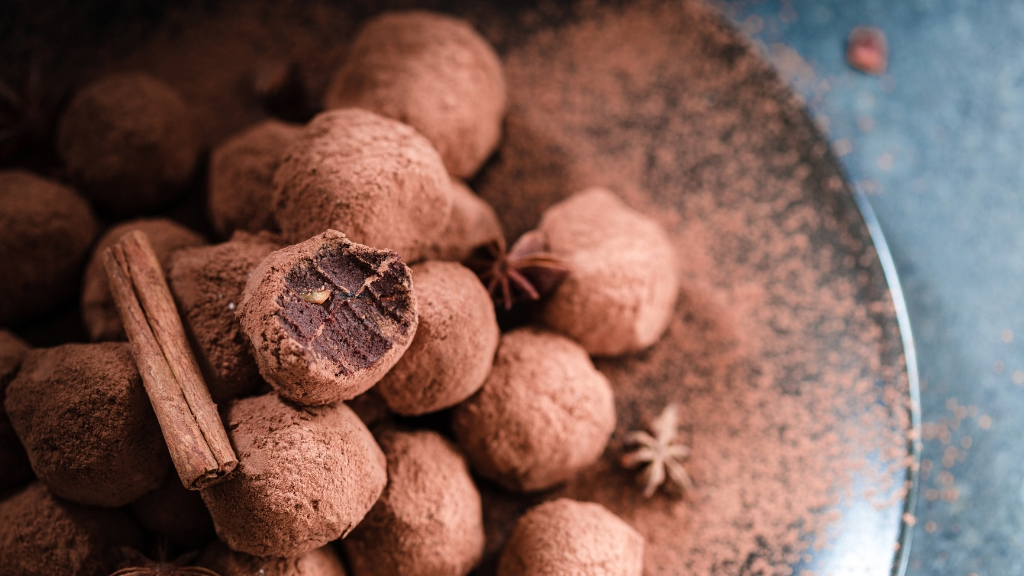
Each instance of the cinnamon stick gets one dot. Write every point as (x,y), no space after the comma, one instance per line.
(191,426)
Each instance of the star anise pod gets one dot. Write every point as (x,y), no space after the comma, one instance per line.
(659,452)
(527,271)
(140,565)
(28,116)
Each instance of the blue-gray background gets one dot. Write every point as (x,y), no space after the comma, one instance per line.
(938,144)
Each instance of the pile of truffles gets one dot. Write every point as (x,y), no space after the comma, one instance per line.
(358,282)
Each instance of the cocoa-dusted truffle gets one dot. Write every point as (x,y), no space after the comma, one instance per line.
(429,519)
(42,534)
(377,180)
(176,513)
(207,283)
(473,223)
(622,287)
(543,414)
(305,476)
(14,465)
(241,187)
(88,427)
(572,538)
(453,350)
(322,561)
(129,142)
(98,309)
(45,233)
(327,318)
(433,72)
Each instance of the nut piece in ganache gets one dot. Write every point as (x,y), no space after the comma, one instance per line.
(327,318)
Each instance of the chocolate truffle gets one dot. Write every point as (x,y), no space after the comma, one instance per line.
(98,309)
(377,180)
(543,414)
(129,142)
(241,187)
(226,562)
(14,464)
(433,72)
(622,288)
(45,233)
(327,318)
(473,223)
(41,534)
(453,350)
(429,519)
(176,513)
(572,538)
(87,424)
(207,283)
(305,476)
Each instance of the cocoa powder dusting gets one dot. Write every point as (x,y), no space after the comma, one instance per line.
(783,350)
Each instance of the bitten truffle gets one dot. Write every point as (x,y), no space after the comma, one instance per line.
(87,424)
(207,283)
(41,534)
(473,223)
(622,288)
(305,476)
(572,538)
(98,309)
(241,187)
(129,142)
(327,318)
(433,72)
(429,519)
(377,180)
(543,414)
(176,513)
(453,350)
(14,464)
(226,562)
(45,233)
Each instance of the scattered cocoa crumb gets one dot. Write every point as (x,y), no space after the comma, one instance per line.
(867,50)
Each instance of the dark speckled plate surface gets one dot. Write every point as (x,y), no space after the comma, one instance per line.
(789,295)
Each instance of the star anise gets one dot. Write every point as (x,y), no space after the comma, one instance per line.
(28,115)
(659,452)
(527,271)
(140,565)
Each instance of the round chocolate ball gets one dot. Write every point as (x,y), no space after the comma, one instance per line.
(241,182)
(377,180)
(429,519)
(327,318)
(473,223)
(453,350)
(87,424)
(45,233)
(622,288)
(207,282)
(42,534)
(543,414)
(572,538)
(305,476)
(322,561)
(99,313)
(433,72)
(176,513)
(129,142)
(14,465)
